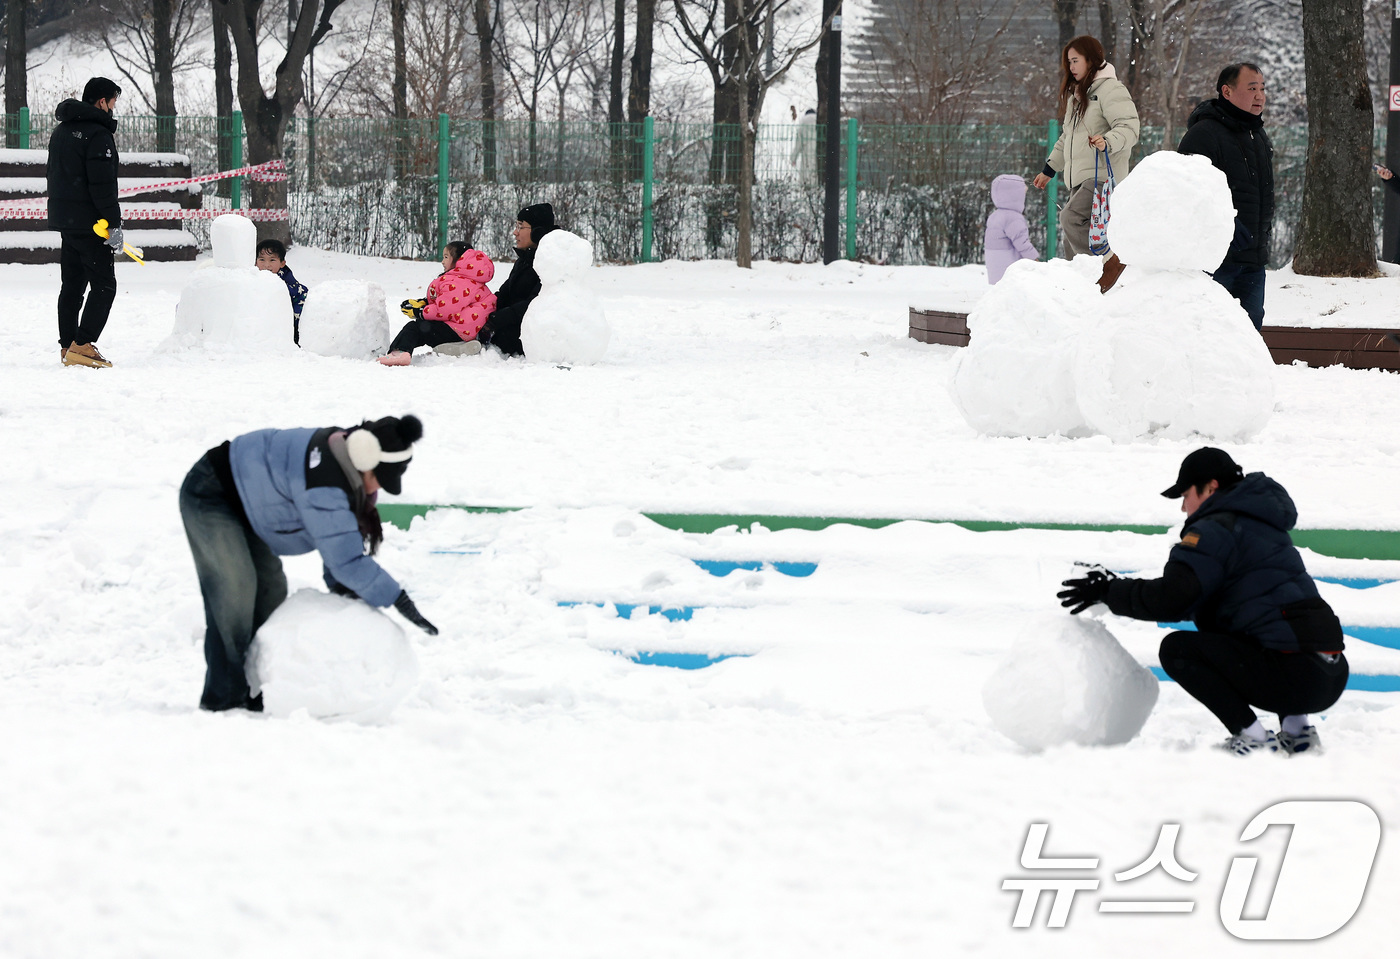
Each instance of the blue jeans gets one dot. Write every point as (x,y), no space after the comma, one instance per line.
(240,578)
(1246,284)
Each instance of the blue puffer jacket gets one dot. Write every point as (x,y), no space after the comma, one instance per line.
(1252,579)
(269,468)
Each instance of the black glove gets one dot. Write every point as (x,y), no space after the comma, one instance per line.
(115,238)
(413,309)
(410,612)
(341,590)
(1085,591)
(483,335)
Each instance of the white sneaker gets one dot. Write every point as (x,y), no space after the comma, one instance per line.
(462,348)
(1306,741)
(1243,745)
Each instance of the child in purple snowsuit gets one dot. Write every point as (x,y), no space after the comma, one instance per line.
(1008,237)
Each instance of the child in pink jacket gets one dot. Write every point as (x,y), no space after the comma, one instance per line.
(1008,236)
(455,309)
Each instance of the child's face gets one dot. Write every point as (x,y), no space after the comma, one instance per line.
(447,261)
(269,261)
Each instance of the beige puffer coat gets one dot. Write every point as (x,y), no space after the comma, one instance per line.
(1112,115)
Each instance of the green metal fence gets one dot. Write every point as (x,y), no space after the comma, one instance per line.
(648,191)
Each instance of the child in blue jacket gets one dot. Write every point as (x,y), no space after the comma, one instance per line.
(272,257)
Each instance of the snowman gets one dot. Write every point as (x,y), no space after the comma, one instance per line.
(565,323)
(230,304)
(1169,352)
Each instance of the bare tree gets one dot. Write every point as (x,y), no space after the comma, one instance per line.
(16,63)
(1336,235)
(527,57)
(1067,19)
(639,83)
(486,45)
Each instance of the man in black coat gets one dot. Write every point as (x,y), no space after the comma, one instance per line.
(502,329)
(1264,637)
(1229,131)
(82,183)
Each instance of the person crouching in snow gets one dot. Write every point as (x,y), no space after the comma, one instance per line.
(455,308)
(272,257)
(275,493)
(1008,236)
(1264,636)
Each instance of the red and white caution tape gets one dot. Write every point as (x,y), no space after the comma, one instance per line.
(40,213)
(273,171)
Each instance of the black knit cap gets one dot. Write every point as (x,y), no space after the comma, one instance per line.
(540,216)
(1202,466)
(395,434)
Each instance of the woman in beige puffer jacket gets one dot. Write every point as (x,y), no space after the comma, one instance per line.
(1099,118)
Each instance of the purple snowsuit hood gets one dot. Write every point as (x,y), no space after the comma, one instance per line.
(1009,192)
(1008,236)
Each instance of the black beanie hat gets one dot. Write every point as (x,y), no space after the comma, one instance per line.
(393,435)
(100,88)
(1202,466)
(540,216)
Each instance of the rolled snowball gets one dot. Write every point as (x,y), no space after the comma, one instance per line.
(235,241)
(1173,212)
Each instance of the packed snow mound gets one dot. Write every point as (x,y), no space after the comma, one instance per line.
(1016,375)
(1069,681)
(235,241)
(336,658)
(1173,356)
(241,309)
(345,318)
(566,322)
(562,256)
(1174,212)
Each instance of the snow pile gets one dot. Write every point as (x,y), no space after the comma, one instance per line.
(1174,213)
(1069,681)
(1016,375)
(565,323)
(345,318)
(233,305)
(335,657)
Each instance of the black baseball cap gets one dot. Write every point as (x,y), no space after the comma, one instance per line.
(1202,466)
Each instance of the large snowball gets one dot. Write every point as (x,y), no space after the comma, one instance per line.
(562,256)
(1173,212)
(337,658)
(345,318)
(1174,355)
(234,308)
(1069,681)
(235,241)
(1015,377)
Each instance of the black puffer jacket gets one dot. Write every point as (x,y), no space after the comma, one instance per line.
(502,329)
(83,168)
(1236,144)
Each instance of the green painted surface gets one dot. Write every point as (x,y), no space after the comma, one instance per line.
(1342,543)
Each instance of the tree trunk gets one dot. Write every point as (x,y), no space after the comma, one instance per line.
(223,92)
(639,81)
(1108,29)
(616,135)
(1067,18)
(484,35)
(1136,46)
(1336,235)
(823,71)
(743,252)
(16,63)
(403,144)
(163,72)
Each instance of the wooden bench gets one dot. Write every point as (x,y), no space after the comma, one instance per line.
(938,326)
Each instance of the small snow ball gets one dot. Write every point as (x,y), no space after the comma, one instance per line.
(562,256)
(337,658)
(235,241)
(1069,681)
(345,318)
(1173,212)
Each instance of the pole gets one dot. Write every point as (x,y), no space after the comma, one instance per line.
(1052,198)
(831,219)
(24,128)
(852,171)
(648,170)
(236,156)
(444,140)
(1390,222)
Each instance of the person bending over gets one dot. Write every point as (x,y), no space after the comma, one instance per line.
(502,330)
(1264,636)
(272,257)
(454,310)
(275,493)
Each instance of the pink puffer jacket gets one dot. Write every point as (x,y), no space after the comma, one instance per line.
(460,298)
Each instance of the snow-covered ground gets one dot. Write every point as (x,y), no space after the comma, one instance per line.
(835,789)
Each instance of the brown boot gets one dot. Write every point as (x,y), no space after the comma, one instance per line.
(1112,270)
(85,354)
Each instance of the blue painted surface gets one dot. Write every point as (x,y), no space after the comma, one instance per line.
(1353,582)
(624,610)
(1366,682)
(683,660)
(455,552)
(723,567)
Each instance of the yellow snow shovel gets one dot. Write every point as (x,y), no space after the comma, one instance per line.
(100,228)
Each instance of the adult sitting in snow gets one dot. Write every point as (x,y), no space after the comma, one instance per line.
(275,493)
(1266,638)
(455,309)
(502,329)
(1100,121)
(1008,235)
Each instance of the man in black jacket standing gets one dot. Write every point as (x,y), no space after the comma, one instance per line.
(502,329)
(1229,131)
(82,181)
(1264,637)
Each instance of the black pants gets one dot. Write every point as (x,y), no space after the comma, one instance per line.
(1229,674)
(240,578)
(85,262)
(416,333)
